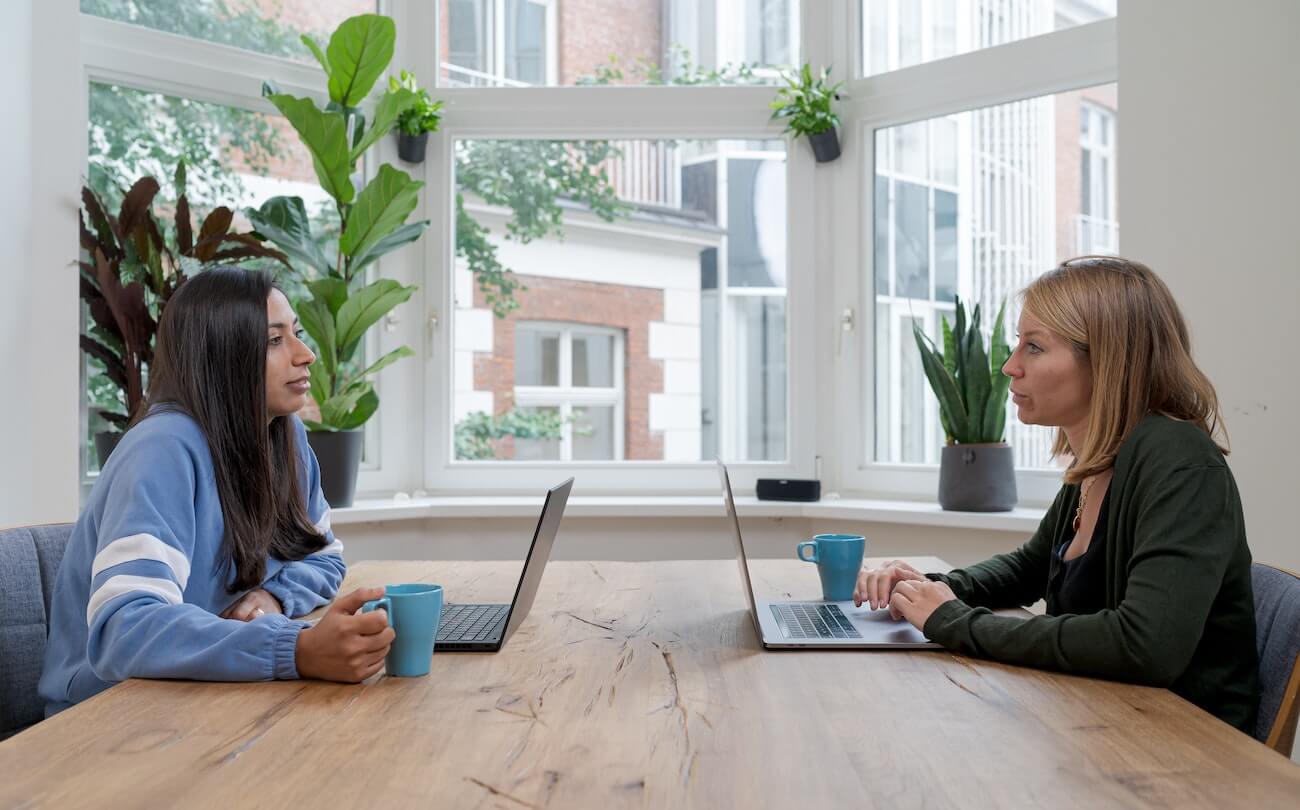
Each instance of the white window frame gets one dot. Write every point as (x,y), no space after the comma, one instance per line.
(1070,59)
(565,395)
(1101,160)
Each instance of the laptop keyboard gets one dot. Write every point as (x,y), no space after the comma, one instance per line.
(470,622)
(813,620)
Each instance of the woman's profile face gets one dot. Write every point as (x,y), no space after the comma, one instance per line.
(1051,383)
(287,358)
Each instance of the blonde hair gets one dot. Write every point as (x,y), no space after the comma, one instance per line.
(1123,321)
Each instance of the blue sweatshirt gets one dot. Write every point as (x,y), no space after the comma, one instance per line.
(143,580)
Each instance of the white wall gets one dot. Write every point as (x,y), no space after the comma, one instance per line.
(1209,145)
(42,143)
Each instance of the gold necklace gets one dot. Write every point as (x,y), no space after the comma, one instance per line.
(1083,499)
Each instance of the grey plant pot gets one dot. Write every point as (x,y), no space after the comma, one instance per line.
(339,456)
(825,145)
(105,443)
(977,478)
(411,147)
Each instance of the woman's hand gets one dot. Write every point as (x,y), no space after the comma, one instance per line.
(875,585)
(916,600)
(256,602)
(346,646)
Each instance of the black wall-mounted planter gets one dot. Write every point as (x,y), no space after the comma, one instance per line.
(825,145)
(411,147)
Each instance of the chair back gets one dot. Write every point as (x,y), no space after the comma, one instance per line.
(1277,637)
(29,559)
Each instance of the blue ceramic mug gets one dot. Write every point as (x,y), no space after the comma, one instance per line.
(838,558)
(414,612)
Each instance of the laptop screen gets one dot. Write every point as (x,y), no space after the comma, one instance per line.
(538,553)
(734,520)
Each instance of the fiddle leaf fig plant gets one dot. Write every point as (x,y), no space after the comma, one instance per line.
(967,378)
(371,221)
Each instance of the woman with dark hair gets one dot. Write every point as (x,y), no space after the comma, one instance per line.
(207,530)
(1142,558)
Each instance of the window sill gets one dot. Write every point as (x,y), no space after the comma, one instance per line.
(917,513)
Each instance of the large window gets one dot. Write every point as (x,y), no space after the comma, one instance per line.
(971,205)
(517,43)
(270,27)
(900,33)
(636,289)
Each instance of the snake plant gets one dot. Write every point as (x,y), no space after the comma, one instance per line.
(967,378)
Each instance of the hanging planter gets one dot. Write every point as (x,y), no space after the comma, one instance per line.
(415,124)
(411,147)
(825,145)
(805,103)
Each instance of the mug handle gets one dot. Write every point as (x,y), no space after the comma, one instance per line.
(382,602)
(812,544)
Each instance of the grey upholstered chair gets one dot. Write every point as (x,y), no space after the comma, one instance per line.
(29,558)
(1277,635)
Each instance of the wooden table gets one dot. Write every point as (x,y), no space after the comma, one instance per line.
(642,685)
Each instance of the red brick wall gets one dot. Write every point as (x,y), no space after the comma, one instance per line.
(609,305)
(590,31)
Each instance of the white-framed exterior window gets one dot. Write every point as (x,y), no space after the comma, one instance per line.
(144,60)
(1098,230)
(500,43)
(1007,88)
(576,371)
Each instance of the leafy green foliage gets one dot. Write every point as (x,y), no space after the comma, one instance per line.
(424,114)
(476,433)
(805,101)
(967,378)
(130,269)
(340,306)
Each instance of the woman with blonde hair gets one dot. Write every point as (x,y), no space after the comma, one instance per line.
(1142,557)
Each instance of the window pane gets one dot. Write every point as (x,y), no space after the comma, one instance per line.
(1003,213)
(648,324)
(756,223)
(925,30)
(593,361)
(504,43)
(529,445)
(593,433)
(759,340)
(912,240)
(537,357)
(272,27)
(233,157)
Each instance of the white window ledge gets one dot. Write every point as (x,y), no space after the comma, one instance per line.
(919,513)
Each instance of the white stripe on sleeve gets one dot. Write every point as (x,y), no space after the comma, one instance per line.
(333,548)
(142,547)
(323,525)
(114,587)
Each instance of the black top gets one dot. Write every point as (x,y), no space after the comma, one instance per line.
(1078,586)
(1179,611)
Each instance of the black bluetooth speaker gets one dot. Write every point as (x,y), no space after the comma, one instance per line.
(788,489)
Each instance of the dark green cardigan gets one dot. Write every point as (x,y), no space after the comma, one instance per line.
(1179,608)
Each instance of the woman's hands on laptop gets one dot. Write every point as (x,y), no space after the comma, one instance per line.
(876,585)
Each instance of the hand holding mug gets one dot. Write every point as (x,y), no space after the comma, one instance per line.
(344,645)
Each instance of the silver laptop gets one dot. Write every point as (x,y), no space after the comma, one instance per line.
(800,625)
(486,628)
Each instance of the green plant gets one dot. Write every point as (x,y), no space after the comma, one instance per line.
(371,222)
(423,115)
(806,102)
(478,430)
(129,270)
(967,378)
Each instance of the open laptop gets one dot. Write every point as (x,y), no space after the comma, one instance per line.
(820,624)
(485,628)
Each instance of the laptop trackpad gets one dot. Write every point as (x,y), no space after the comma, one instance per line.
(877,626)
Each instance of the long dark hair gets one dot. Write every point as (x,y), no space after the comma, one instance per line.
(210,363)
